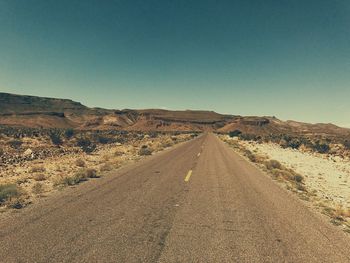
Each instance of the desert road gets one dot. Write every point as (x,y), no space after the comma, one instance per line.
(196,202)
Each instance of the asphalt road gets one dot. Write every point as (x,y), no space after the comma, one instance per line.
(198,202)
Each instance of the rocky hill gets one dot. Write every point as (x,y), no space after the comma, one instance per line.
(31,111)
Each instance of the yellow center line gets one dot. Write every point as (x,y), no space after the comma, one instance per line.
(187,178)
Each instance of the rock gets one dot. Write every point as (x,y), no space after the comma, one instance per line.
(27,152)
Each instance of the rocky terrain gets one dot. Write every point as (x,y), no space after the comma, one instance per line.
(48,142)
(38,112)
(37,162)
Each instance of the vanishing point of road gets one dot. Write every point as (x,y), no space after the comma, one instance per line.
(196,202)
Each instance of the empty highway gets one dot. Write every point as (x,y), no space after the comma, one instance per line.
(196,202)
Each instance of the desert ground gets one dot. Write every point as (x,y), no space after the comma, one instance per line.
(324,178)
(33,167)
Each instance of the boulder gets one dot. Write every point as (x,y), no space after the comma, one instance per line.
(27,153)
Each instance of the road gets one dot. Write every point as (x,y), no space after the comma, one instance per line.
(197,202)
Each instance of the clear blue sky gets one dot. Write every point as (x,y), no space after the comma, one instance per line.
(285,58)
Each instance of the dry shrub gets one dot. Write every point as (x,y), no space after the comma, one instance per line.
(17,202)
(145,150)
(8,191)
(91,173)
(39,177)
(273,164)
(38,188)
(58,180)
(340,212)
(298,178)
(250,155)
(80,162)
(167,143)
(119,153)
(106,157)
(300,187)
(15,144)
(71,180)
(12,196)
(286,174)
(37,169)
(106,167)
(79,176)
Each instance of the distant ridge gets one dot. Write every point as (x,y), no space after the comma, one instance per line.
(33,111)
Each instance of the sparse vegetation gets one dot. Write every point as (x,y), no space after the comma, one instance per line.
(39,177)
(15,144)
(119,153)
(72,180)
(105,140)
(321,147)
(311,185)
(273,167)
(86,145)
(273,164)
(145,150)
(250,155)
(37,188)
(48,168)
(37,169)
(16,202)
(288,141)
(167,143)
(68,133)
(346,144)
(55,137)
(80,162)
(106,167)
(79,176)
(234,133)
(8,191)
(91,173)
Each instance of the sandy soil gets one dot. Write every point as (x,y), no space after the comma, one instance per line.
(326,176)
(39,178)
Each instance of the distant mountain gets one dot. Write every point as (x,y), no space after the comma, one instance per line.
(32,111)
(19,104)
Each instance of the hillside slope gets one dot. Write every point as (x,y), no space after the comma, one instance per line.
(31,111)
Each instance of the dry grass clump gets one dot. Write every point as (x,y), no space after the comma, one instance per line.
(105,158)
(106,167)
(273,164)
(38,188)
(76,178)
(91,173)
(80,162)
(119,153)
(15,144)
(37,169)
(339,211)
(278,171)
(17,202)
(145,150)
(250,155)
(339,215)
(11,196)
(8,191)
(167,143)
(274,168)
(39,177)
